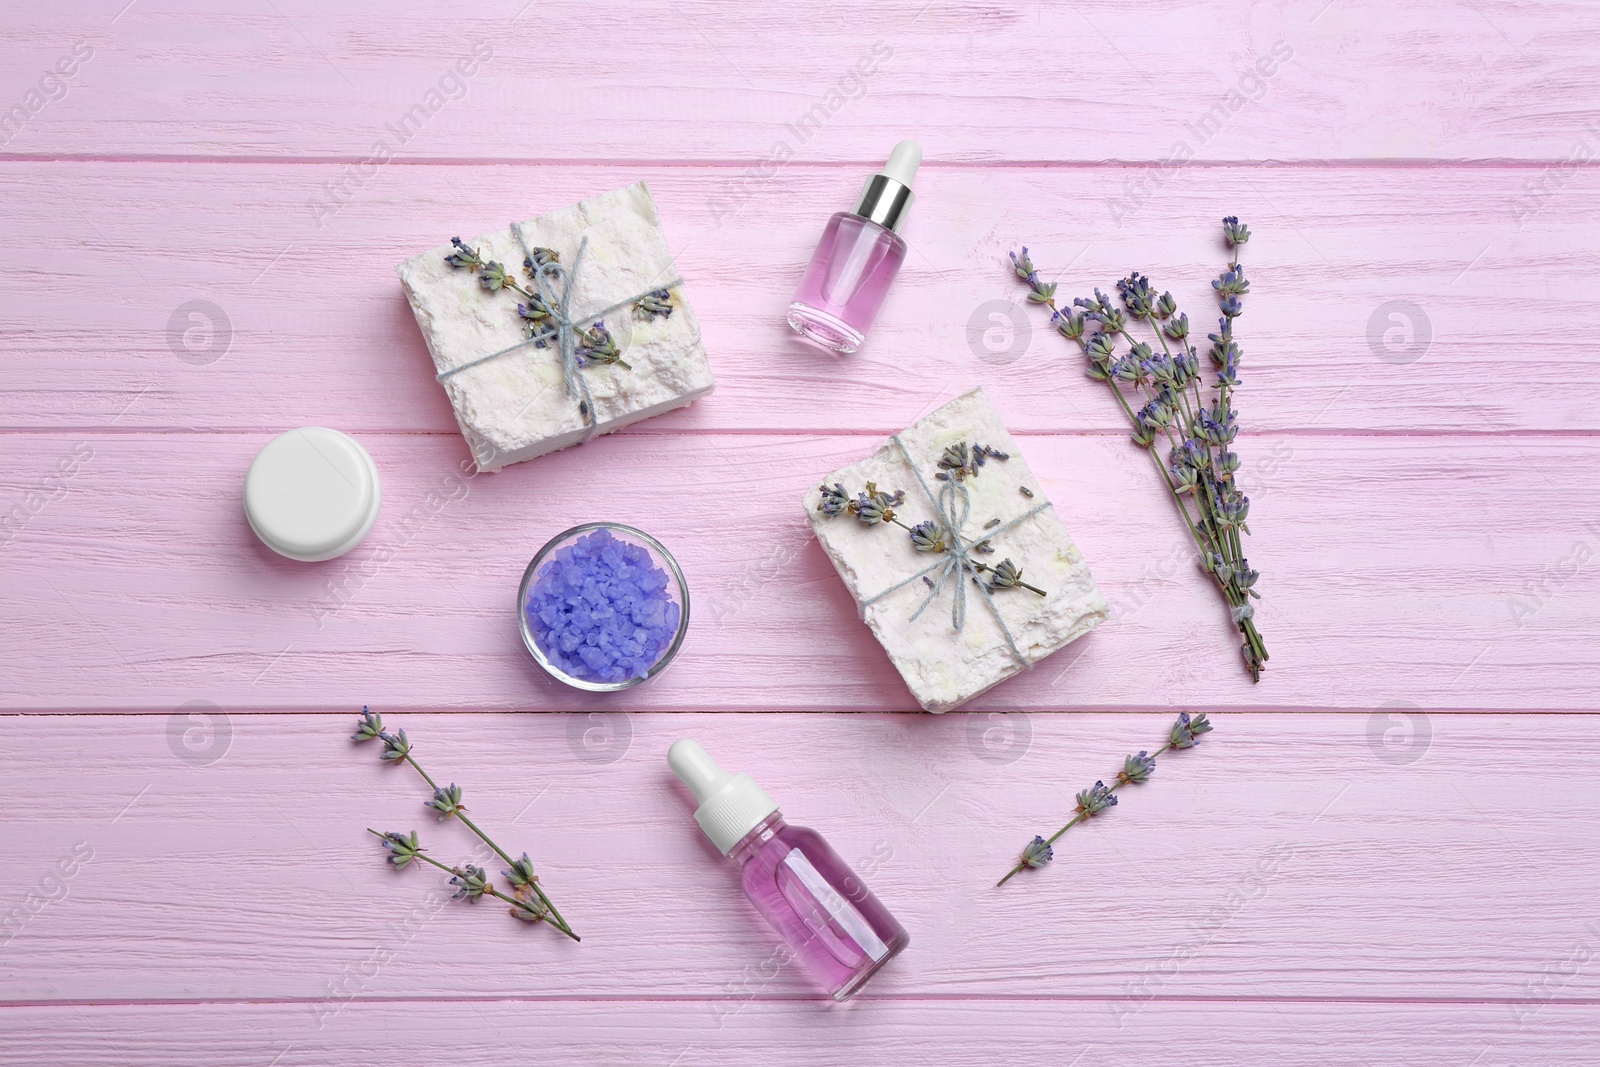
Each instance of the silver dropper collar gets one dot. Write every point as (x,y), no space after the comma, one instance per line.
(884,201)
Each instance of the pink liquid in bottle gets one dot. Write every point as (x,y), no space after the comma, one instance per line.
(857,259)
(837,929)
(848,279)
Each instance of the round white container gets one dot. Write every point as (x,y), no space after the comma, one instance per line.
(312,494)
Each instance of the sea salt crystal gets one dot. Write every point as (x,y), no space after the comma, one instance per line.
(600,609)
(944,666)
(516,407)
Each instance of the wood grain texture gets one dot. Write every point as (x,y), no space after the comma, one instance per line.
(1378,299)
(1385,854)
(1088,81)
(961,1034)
(1348,857)
(143,574)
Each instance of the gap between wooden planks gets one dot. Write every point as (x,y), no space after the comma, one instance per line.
(1214,80)
(950,1033)
(1384,581)
(1377,301)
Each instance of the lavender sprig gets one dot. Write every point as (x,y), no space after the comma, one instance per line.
(1185,733)
(1201,468)
(957,463)
(446,801)
(596,347)
(471,881)
(1006,575)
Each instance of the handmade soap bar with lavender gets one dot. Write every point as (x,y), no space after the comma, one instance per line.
(885,538)
(522,404)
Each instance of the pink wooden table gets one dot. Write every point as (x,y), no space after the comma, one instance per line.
(1386,853)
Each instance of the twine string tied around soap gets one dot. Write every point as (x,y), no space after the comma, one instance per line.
(554,284)
(952,505)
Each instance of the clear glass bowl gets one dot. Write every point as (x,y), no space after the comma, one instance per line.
(658,555)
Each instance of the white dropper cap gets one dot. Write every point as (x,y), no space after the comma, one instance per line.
(903,162)
(731,805)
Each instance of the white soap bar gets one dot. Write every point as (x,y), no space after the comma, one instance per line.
(944,666)
(516,407)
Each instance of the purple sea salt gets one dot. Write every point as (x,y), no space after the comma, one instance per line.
(601,609)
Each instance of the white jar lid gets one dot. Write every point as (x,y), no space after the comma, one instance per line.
(312,494)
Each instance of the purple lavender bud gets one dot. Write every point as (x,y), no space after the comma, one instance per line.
(928,537)
(446,800)
(521,872)
(493,276)
(658,302)
(1038,853)
(1245,578)
(597,348)
(1022,264)
(1070,326)
(369,726)
(1186,731)
(462,256)
(1099,347)
(401,847)
(1137,296)
(1095,799)
(1231,282)
(835,501)
(473,880)
(1138,768)
(873,509)
(395,746)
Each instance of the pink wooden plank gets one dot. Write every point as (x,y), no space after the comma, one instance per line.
(956,1034)
(1332,856)
(317,330)
(1452,573)
(1212,79)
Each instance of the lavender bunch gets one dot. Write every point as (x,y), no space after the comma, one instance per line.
(1185,733)
(1161,393)
(528,899)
